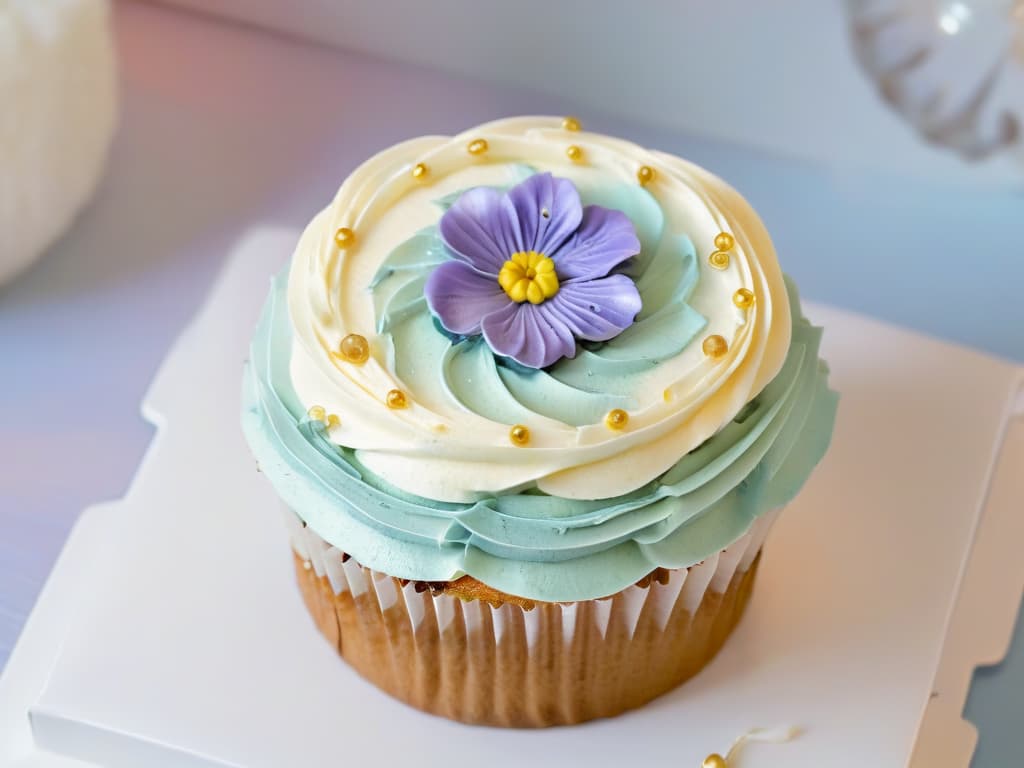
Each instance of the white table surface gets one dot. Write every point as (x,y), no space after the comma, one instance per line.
(225,127)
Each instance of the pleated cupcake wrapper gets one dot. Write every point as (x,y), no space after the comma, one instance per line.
(436,651)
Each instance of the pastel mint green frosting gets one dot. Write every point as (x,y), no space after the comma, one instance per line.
(530,544)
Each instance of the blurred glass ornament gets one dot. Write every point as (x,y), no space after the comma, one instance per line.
(953,68)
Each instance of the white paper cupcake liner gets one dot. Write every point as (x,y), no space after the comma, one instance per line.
(507,664)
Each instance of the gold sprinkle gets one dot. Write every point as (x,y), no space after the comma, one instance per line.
(355,348)
(477,146)
(396,399)
(519,435)
(616,419)
(714,761)
(715,346)
(667,395)
(307,564)
(344,237)
(719,259)
(317,413)
(333,421)
(419,170)
(574,153)
(441,428)
(645,175)
(724,241)
(570,123)
(743,298)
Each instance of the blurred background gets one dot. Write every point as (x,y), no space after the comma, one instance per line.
(879,139)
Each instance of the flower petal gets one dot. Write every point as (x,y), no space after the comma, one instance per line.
(543,194)
(528,335)
(480,229)
(605,239)
(596,310)
(460,297)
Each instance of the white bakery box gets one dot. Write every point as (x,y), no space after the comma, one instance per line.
(171,632)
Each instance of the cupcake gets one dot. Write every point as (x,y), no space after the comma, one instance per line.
(532,398)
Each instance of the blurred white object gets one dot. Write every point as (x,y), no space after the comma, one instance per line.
(953,68)
(58,101)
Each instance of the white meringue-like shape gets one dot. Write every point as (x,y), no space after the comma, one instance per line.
(58,105)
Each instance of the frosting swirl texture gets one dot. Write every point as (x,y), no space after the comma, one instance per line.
(441,449)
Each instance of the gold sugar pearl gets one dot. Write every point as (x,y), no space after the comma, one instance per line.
(645,175)
(344,237)
(317,413)
(719,259)
(477,146)
(743,298)
(396,399)
(355,348)
(574,153)
(419,170)
(724,241)
(616,419)
(714,761)
(570,124)
(333,421)
(715,346)
(519,435)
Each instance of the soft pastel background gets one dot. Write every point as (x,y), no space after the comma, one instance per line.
(225,125)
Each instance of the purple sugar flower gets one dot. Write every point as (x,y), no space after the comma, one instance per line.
(530,270)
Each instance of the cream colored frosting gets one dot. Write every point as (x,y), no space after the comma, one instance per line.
(437,448)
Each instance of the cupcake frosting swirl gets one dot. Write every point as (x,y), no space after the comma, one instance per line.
(711,436)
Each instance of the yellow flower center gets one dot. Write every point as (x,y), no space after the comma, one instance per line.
(528,276)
